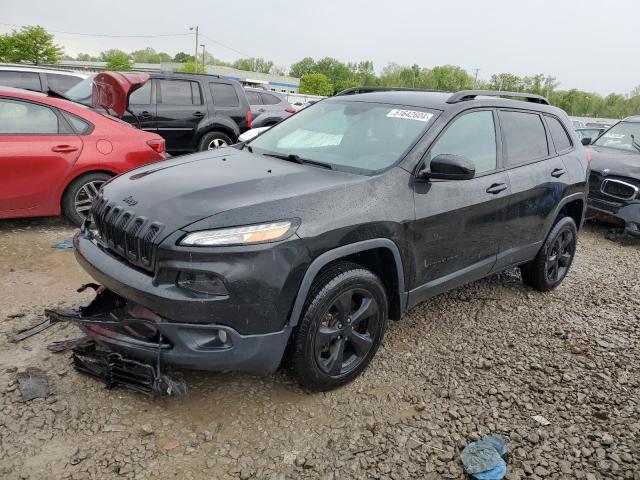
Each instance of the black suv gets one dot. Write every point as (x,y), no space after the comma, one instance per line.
(614,183)
(309,237)
(191,112)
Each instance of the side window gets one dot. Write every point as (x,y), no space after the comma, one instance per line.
(254,98)
(62,83)
(473,136)
(18,117)
(141,96)
(224,95)
(26,80)
(79,125)
(269,99)
(179,92)
(524,137)
(558,134)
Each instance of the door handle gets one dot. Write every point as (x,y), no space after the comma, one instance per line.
(497,188)
(558,172)
(64,148)
(261,110)
(198,114)
(145,114)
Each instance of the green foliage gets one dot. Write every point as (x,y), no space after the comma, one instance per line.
(149,55)
(117,60)
(182,57)
(85,57)
(301,68)
(316,84)
(29,44)
(191,67)
(253,65)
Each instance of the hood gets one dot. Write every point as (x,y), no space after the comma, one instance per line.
(617,162)
(181,191)
(111,90)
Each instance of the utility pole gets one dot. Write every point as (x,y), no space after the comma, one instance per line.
(475,81)
(203,67)
(195,53)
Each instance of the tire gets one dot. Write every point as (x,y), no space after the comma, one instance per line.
(551,265)
(213,140)
(78,196)
(341,328)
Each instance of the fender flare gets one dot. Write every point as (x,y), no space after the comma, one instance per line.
(340,252)
(569,198)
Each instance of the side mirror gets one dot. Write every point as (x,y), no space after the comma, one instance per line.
(586,141)
(449,167)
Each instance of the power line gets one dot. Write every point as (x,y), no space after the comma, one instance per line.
(226,46)
(107,35)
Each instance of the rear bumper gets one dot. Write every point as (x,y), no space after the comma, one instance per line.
(628,213)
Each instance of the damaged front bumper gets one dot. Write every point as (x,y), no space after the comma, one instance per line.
(124,327)
(627,213)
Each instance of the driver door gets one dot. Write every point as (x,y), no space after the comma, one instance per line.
(459,223)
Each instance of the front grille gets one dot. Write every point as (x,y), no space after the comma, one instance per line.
(619,189)
(123,232)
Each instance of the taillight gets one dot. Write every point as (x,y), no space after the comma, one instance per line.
(157,145)
(589,154)
(290,110)
(249,119)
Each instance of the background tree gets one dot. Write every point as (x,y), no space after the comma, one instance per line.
(30,44)
(149,55)
(253,65)
(191,67)
(85,57)
(301,68)
(117,60)
(182,57)
(316,84)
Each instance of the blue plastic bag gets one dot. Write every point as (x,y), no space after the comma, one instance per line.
(483,460)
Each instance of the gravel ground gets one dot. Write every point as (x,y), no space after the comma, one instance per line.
(482,359)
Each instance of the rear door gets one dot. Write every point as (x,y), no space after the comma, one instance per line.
(179,110)
(38,150)
(538,181)
(228,104)
(255,103)
(459,223)
(19,79)
(142,103)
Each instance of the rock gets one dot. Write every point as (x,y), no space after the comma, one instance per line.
(541,420)
(146,429)
(606,440)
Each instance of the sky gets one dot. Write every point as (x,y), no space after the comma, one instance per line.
(586,44)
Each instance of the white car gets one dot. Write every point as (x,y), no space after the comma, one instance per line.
(250,134)
(38,79)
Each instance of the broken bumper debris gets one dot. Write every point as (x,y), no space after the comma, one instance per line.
(109,314)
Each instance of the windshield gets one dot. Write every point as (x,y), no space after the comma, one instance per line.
(81,92)
(354,136)
(622,136)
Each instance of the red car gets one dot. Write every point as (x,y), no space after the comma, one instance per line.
(55,154)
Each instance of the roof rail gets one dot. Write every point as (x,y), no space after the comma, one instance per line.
(356,90)
(465,95)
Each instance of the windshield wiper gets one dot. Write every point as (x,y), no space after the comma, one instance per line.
(634,143)
(291,157)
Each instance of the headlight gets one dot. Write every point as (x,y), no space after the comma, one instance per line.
(266,232)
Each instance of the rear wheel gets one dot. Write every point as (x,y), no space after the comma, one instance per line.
(548,269)
(213,140)
(79,195)
(341,329)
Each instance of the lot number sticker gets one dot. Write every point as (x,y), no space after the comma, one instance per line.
(410,115)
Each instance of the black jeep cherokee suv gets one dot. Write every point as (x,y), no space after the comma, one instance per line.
(308,238)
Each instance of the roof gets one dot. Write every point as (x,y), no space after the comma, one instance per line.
(441,100)
(39,69)
(633,119)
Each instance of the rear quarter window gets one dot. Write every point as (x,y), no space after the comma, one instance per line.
(559,135)
(524,137)
(269,99)
(224,95)
(60,82)
(80,126)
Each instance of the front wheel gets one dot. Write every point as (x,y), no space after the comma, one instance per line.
(548,269)
(341,328)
